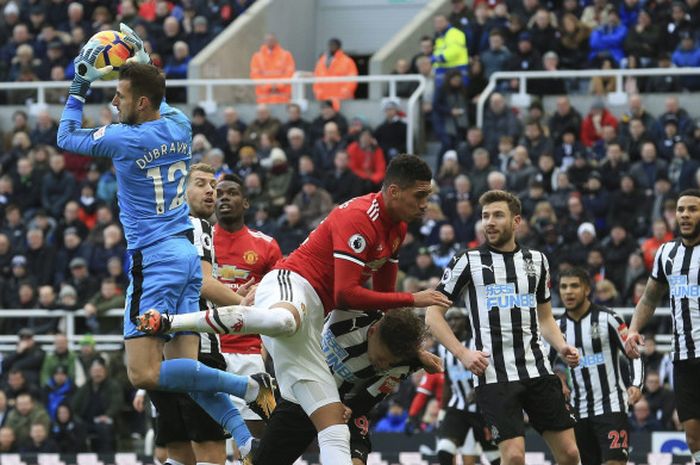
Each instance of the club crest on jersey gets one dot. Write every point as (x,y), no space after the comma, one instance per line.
(530,269)
(446,276)
(357,243)
(206,241)
(250,257)
(389,384)
(99,134)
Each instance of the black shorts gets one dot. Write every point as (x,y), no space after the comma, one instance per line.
(181,419)
(686,385)
(502,406)
(456,426)
(290,432)
(602,438)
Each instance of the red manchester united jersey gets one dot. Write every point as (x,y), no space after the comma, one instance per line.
(242,255)
(359,232)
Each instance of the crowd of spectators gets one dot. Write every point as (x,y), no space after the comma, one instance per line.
(598,189)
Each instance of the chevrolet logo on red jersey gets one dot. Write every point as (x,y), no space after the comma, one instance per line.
(388,386)
(231,273)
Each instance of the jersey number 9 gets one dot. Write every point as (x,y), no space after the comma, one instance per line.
(160,189)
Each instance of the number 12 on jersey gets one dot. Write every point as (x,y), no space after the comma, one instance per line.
(160,189)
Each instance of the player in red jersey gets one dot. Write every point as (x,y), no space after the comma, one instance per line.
(358,240)
(242,254)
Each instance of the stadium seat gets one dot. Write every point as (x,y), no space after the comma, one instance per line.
(88,459)
(535,458)
(375,458)
(660,458)
(49,459)
(411,458)
(11,459)
(126,458)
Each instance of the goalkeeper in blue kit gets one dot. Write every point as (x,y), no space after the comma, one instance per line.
(151,151)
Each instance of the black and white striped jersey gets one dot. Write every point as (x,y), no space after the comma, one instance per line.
(203,241)
(598,384)
(679,267)
(501,292)
(460,380)
(344,344)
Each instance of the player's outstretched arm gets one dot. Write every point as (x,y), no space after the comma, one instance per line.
(552,334)
(215,291)
(653,292)
(71,137)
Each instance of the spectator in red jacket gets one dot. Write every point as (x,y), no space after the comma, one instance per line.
(592,127)
(367,158)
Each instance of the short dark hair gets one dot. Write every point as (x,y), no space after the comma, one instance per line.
(405,170)
(492,196)
(232,177)
(690,193)
(576,272)
(146,81)
(402,331)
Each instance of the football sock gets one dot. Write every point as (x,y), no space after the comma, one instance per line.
(220,407)
(334,445)
(237,319)
(187,375)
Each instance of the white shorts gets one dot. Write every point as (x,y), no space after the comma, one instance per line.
(244,364)
(300,366)
(471,446)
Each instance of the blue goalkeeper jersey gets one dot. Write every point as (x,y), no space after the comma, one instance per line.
(151,160)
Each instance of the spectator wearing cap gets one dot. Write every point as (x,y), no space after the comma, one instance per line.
(642,41)
(607,40)
(88,353)
(499,120)
(328,114)
(670,138)
(27,357)
(58,389)
(200,35)
(84,284)
(10,288)
(98,404)
(497,56)
(279,180)
(450,115)
(291,231)
(314,202)
(682,169)
(450,51)
(335,63)
(391,134)
(687,55)
(341,182)
(648,168)
(271,61)
(367,160)
(202,125)
(525,58)
(592,125)
(449,170)
(424,269)
(325,149)
(27,411)
(577,251)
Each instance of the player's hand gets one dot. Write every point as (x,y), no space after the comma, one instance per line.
(347,413)
(85,71)
(249,299)
(131,38)
(633,395)
(634,340)
(245,288)
(139,403)
(430,362)
(570,355)
(430,297)
(476,361)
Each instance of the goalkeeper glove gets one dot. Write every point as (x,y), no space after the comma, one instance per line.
(131,38)
(85,71)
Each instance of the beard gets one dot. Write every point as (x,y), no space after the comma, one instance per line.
(692,235)
(501,240)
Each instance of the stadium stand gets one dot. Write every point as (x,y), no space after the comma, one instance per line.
(598,185)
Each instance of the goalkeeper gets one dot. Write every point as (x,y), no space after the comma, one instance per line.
(151,152)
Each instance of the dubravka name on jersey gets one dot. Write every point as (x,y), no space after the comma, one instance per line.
(157,152)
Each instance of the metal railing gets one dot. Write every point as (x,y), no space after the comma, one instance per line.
(114,341)
(619,97)
(298,83)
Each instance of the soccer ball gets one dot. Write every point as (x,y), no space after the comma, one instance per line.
(116,52)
